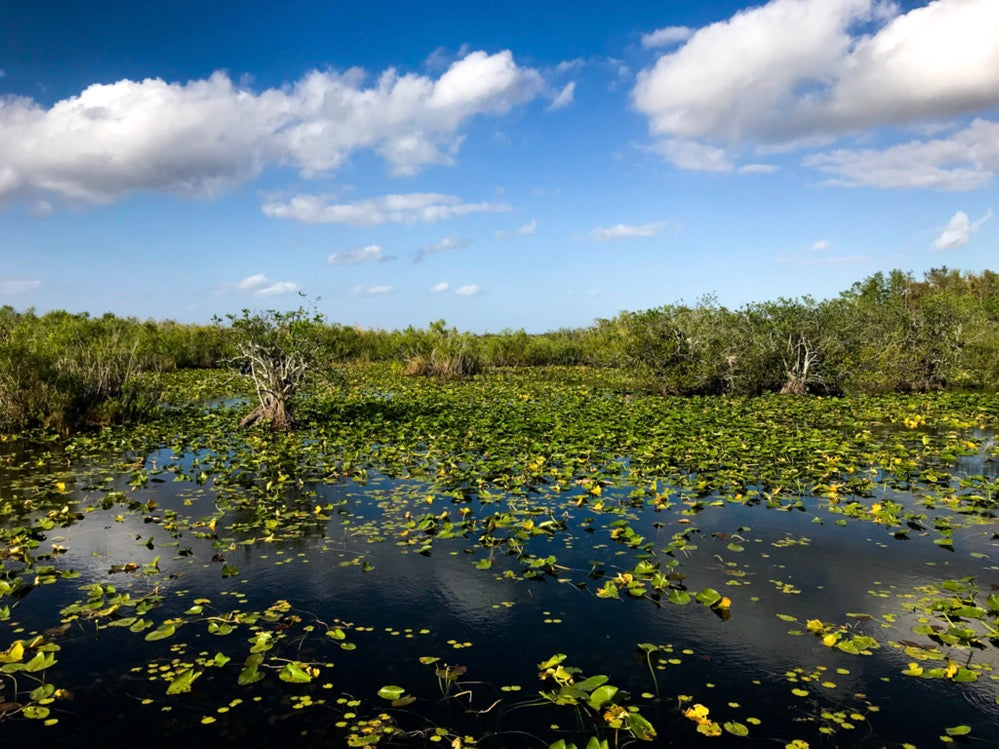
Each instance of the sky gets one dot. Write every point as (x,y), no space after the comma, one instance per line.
(499,166)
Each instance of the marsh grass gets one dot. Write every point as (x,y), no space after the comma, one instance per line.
(446,355)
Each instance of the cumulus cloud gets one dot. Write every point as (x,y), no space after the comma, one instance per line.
(959,231)
(689,154)
(260,286)
(471,289)
(795,72)
(409,208)
(442,245)
(566,65)
(626,231)
(964,160)
(822,244)
(353,257)
(564,97)
(377,290)
(277,289)
(12,286)
(666,36)
(252,282)
(199,137)
(526,230)
(440,288)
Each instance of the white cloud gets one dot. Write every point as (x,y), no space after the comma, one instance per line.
(352,257)
(442,245)
(409,208)
(689,154)
(822,244)
(967,159)
(12,287)
(441,287)
(252,282)
(566,65)
(260,286)
(757,169)
(794,72)
(277,289)
(959,231)
(666,36)
(526,230)
(471,289)
(626,231)
(564,97)
(199,137)
(378,290)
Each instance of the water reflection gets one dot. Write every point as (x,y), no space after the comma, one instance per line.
(499,625)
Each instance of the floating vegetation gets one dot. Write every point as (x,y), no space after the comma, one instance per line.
(400,569)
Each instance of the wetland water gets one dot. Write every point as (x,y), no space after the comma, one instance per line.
(421,608)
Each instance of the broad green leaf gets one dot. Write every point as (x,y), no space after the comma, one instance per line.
(678,597)
(736,729)
(162,632)
(35,712)
(294,673)
(553,661)
(588,685)
(601,695)
(183,681)
(643,730)
(391,692)
(40,662)
(709,596)
(250,672)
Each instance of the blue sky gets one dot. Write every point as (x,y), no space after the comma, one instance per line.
(511,165)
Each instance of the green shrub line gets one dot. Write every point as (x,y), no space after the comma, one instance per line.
(887,333)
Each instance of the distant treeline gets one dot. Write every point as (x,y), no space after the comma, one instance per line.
(889,332)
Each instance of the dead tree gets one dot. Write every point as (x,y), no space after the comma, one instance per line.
(800,365)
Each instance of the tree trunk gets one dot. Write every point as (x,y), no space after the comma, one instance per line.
(794,386)
(272,410)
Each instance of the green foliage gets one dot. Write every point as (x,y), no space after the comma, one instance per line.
(278,350)
(887,333)
(446,354)
(62,370)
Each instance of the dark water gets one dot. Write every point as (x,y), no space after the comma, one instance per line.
(408,605)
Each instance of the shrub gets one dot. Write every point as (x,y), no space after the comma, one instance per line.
(446,354)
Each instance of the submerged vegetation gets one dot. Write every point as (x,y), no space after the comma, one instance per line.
(554,541)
